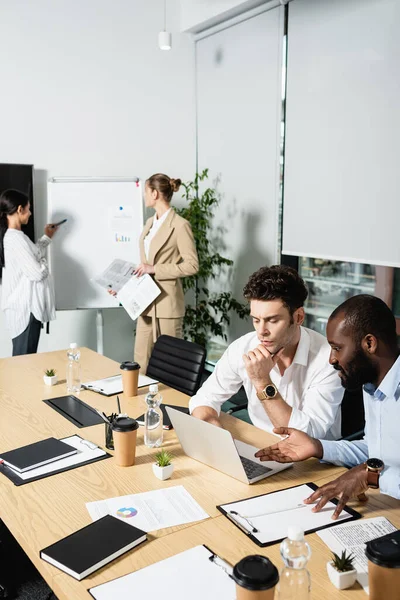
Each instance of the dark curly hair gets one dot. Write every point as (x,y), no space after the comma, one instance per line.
(277,283)
(366,314)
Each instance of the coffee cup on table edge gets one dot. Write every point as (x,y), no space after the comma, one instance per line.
(130,377)
(255,577)
(383,555)
(124,434)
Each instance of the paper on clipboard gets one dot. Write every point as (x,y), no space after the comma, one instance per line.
(134,293)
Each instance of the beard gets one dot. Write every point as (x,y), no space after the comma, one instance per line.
(360,370)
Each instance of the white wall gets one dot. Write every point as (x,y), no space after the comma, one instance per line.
(199,14)
(86,91)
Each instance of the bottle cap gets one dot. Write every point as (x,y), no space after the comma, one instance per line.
(385,551)
(124,424)
(255,573)
(73,345)
(295,533)
(153,388)
(129,366)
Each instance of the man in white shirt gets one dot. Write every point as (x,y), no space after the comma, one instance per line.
(283,367)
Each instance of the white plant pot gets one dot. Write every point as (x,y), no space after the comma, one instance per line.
(163,472)
(50,380)
(341,580)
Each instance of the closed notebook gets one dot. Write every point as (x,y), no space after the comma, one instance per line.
(37,454)
(93,546)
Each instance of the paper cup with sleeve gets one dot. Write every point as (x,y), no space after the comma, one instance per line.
(255,577)
(130,377)
(124,433)
(384,567)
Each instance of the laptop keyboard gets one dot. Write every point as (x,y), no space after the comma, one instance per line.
(252,469)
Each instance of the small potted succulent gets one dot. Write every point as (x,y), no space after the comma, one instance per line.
(50,377)
(163,467)
(341,570)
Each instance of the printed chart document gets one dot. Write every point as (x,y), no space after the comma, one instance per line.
(85,451)
(196,574)
(352,537)
(134,293)
(151,510)
(265,519)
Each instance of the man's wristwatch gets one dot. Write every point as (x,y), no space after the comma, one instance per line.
(270,391)
(374,468)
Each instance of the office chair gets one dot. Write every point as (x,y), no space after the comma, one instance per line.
(177,363)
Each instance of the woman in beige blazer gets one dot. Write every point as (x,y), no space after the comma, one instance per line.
(168,252)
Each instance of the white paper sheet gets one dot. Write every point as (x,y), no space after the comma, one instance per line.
(113,385)
(116,275)
(151,511)
(86,451)
(352,537)
(190,574)
(272,514)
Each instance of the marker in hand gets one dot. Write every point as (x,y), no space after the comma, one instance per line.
(54,225)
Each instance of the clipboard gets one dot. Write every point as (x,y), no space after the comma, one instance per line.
(76,411)
(266,521)
(173,576)
(109,386)
(17,480)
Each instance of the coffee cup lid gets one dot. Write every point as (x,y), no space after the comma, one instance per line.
(129,366)
(255,572)
(385,551)
(124,424)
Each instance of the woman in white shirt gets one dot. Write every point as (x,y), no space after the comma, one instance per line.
(27,297)
(167,253)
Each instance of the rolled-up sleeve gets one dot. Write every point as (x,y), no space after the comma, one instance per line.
(320,405)
(344,453)
(222,384)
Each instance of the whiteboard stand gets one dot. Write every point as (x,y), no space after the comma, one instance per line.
(100,331)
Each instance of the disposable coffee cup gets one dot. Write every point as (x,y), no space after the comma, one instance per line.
(130,377)
(124,433)
(383,555)
(255,577)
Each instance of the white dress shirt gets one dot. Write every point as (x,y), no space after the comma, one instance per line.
(381,440)
(154,228)
(26,282)
(309,385)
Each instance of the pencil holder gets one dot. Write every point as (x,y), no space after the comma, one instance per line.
(109,436)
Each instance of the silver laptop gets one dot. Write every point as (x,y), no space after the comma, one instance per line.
(216,448)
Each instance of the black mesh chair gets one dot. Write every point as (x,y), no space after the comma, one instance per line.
(177,363)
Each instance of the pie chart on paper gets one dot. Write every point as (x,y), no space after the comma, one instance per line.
(126,512)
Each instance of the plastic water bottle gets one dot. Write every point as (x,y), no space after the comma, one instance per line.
(153,419)
(73,369)
(294,581)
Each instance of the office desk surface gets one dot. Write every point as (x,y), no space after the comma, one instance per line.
(40,513)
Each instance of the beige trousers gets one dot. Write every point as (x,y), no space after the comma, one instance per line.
(145,333)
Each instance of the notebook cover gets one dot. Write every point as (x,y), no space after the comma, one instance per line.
(83,550)
(36,454)
(166,420)
(76,411)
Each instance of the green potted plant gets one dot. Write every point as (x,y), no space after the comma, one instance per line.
(341,570)
(163,467)
(208,313)
(50,377)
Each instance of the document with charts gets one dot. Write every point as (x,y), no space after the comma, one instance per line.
(134,293)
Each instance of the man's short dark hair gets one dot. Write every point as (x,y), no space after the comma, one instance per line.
(366,314)
(277,283)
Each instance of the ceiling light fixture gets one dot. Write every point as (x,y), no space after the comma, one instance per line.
(164,37)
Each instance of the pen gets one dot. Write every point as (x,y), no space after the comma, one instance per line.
(103,416)
(119,406)
(241,527)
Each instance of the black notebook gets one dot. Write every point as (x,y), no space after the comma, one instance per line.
(93,546)
(37,454)
(166,420)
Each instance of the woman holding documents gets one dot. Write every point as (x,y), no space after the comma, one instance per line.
(168,253)
(27,295)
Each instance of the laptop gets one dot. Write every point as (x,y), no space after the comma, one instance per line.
(216,448)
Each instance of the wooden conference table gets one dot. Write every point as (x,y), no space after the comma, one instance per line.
(42,512)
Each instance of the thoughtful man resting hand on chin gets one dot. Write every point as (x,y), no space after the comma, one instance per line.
(362,336)
(282,365)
